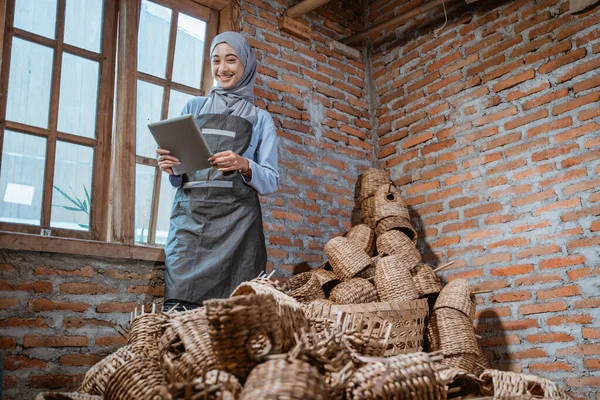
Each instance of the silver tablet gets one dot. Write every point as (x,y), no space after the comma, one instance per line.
(182,137)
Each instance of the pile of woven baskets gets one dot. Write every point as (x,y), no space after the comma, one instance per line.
(352,328)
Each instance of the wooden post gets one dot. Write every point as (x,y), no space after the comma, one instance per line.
(304,7)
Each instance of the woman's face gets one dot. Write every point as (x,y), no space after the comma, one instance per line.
(227,68)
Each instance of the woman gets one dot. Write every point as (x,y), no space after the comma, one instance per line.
(216,239)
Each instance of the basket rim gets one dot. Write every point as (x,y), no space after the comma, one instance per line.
(409,305)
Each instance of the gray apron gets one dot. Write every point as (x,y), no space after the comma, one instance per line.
(216,239)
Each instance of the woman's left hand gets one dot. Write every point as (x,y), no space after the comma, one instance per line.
(228,160)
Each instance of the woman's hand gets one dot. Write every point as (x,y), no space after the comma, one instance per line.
(165,161)
(228,160)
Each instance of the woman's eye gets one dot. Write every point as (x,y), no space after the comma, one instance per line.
(231,60)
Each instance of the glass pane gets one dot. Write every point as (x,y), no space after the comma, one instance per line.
(71,197)
(144,188)
(29,82)
(78,96)
(189,51)
(37,16)
(153,39)
(83,24)
(149,105)
(165,204)
(177,101)
(22,178)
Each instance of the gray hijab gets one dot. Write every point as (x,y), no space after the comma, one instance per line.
(238,100)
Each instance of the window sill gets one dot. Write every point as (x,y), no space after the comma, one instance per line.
(49,244)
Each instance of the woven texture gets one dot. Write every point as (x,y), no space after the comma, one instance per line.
(452,332)
(214,385)
(425,280)
(386,202)
(304,287)
(98,375)
(146,329)
(346,257)
(355,290)
(243,330)
(289,311)
(284,379)
(406,376)
(457,295)
(505,383)
(364,236)
(397,243)
(394,281)
(140,378)
(370,181)
(324,277)
(396,223)
(467,383)
(66,396)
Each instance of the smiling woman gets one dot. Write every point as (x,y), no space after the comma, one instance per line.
(227,67)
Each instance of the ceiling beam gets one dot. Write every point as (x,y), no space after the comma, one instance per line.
(304,7)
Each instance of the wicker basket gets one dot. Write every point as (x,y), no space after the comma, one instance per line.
(426,281)
(505,383)
(304,287)
(370,181)
(467,383)
(407,319)
(66,396)
(396,223)
(346,257)
(214,385)
(327,279)
(386,203)
(394,281)
(146,329)
(289,310)
(243,330)
(98,375)
(397,243)
(140,378)
(284,379)
(457,295)
(406,376)
(452,332)
(353,291)
(364,236)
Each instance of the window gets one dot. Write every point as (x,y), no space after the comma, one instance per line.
(77,159)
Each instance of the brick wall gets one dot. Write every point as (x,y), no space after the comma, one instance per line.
(491,128)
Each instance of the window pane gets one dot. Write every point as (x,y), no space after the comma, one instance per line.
(37,16)
(144,187)
(29,82)
(165,204)
(71,197)
(83,24)
(153,39)
(189,51)
(149,105)
(22,178)
(177,101)
(78,96)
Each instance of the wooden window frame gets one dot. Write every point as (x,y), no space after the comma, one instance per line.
(111,233)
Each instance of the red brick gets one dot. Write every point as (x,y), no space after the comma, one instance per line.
(21,362)
(54,341)
(513,242)
(502,340)
(510,297)
(589,114)
(581,187)
(579,70)
(501,71)
(527,309)
(582,273)
(488,119)
(562,61)
(516,325)
(55,381)
(569,176)
(49,305)
(417,139)
(587,303)
(561,262)
(586,242)
(512,270)
(23,322)
(8,302)
(552,367)
(525,354)
(545,99)
(538,251)
(517,94)
(80,359)
(547,52)
(84,272)
(527,228)
(113,307)
(482,234)
(554,152)
(494,313)
(110,341)
(491,259)
(575,103)
(585,157)
(592,364)
(85,288)
(549,127)
(501,141)
(582,350)
(480,210)
(590,333)
(549,338)
(534,198)
(461,178)
(514,81)
(569,319)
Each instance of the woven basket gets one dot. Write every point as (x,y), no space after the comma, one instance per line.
(457,295)
(505,383)
(396,223)
(386,203)
(327,279)
(466,362)
(146,329)
(140,378)
(407,319)
(364,236)
(426,281)
(98,375)
(397,243)
(214,385)
(346,257)
(66,396)
(353,291)
(468,383)
(406,376)
(452,332)
(394,281)
(370,181)
(243,330)
(289,310)
(304,287)
(284,379)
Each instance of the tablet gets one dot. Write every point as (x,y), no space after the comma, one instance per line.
(183,138)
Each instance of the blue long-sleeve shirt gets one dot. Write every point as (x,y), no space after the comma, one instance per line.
(262,151)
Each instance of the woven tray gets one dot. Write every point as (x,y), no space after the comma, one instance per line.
(397,243)
(364,236)
(394,281)
(396,223)
(346,257)
(457,294)
(506,383)
(353,291)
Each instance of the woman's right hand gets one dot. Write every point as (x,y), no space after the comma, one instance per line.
(165,161)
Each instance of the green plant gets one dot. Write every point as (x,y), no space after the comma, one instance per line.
(81,206)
